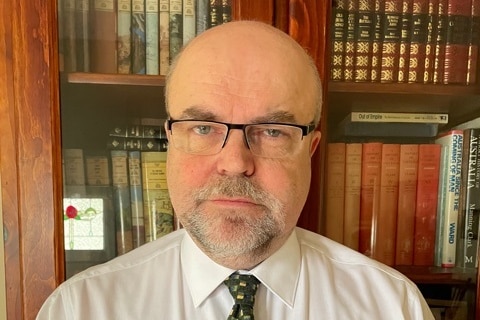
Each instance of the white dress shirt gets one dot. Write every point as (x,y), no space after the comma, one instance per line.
(310,277)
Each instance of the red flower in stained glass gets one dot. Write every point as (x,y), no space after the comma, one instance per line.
(71,212)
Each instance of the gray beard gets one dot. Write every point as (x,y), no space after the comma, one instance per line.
(255,235)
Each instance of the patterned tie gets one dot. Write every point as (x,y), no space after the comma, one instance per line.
(242,288)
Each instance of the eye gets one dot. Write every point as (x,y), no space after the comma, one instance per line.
(202,129)
(272,132)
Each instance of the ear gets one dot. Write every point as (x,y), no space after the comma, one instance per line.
(315,141)
(166,130)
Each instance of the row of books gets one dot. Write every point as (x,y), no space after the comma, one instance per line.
(410,41)
(132,36)
(407,204)
(136,181)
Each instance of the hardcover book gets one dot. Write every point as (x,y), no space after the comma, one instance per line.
(469,211)
(430,47)
(69,50)
(474,41)
(215,13)
(188,20)
(339,17)
(139,48)
(98,172)
(391,34)
(74,172)
(176,28)
(407,196)
(385,219)
(448,198)
(405,40)
(440,40)
(426,204)
(377,41)
(124,37)
(335,191)
(353,183)
(226,11)
(104,37)
(82,24)
(364,33)
(418,41)
(349,58)
(202,12)
(358,116)
(136,198)
(151,37)
(164,34)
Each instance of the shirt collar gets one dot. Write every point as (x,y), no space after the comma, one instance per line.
(203,275)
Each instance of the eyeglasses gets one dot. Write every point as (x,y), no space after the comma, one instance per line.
(268,140)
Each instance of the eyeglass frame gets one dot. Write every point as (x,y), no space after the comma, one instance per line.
(306,129)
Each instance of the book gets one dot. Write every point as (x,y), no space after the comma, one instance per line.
(136,198)
(139,131)
(474,41)
(139,46)
(385,218)
(121,201)
(430,46)
(364,33)
(175,28)
(338,34)
(189,21)
(440,118)
(82,47)
(469,210)
(69,33)
(353,183)
(426,204)
(349,57)
(455,63)
(164,42)
(157,208)
(335,186)
(405,40)
(151,37)
(407,196)
(369,194)
(103,43)
(377,41)
(226,11)
(97,170)
(124,37)
(440,40)
(74,172)
(448,197)
(202,12)
(215,13)
(391,34)
(142,144)
(348,128)
(418,41)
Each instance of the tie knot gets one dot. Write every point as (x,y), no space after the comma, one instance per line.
(242,287)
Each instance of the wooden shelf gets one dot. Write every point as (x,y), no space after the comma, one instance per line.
(438,275)
(116,79)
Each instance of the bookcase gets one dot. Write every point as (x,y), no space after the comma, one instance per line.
(45,109)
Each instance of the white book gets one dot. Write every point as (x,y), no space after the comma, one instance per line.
(189,22)
(151,37)
(440,118)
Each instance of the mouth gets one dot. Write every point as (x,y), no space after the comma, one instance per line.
(233,202)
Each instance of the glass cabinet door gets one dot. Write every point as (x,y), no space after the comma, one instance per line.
(114,55)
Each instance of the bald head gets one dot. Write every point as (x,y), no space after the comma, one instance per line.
(253,54)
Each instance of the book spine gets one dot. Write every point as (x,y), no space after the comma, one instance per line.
(97,171)
(164,44)
(339,17)
(430,46)
(215,13)
(157,208)
(82,35)
(122,204)
(226,11)
(385,219)
(418,41)
(124,37)
(136,198)
(203,15)
(407,195)
(138,37)
(405,40)
(440,40)
(151,37)
(70,59)
(74,172)
(104,37)
(142,144)
(457,41)
(449,197)
(377,41)
(358,116)
(175,28)
(364,33)
(469,211)
(426,204)
(391,34)
(335,191)
(353,183)
(188,21)
(349,62)
(473,43)
(370,194)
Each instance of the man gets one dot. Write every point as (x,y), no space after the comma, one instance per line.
(243,101)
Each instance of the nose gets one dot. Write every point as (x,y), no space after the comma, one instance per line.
(235,157)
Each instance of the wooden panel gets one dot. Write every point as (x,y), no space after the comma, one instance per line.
(30,165)
(308,21)
(254,10)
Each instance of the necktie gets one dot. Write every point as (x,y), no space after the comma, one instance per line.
(242,288)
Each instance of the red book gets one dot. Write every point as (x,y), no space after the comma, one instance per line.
(370,193)
(353,184)
(385,219)
(426,204)
(473,43)
(405,40)
(457,41)
(335,191)
(440,40)
(418,40)
(407,196)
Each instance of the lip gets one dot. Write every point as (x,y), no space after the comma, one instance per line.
(233,202)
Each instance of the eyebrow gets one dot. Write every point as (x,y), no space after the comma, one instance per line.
(198,113)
